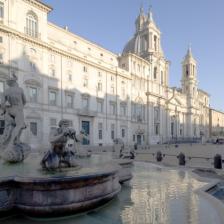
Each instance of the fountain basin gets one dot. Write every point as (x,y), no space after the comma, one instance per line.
(68,192)
(125,172)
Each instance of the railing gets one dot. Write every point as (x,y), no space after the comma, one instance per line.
(31,32)
(179,140)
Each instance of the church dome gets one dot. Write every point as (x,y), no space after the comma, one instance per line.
(146,38)
(133,45)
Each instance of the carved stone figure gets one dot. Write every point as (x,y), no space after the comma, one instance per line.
(62,153)
(122,151)
(13,101)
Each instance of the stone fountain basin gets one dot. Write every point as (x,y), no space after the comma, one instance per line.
(125,172)
(25,188)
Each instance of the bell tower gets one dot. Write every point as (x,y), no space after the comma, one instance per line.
(190,89)
(189,75)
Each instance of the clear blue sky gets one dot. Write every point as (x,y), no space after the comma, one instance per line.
(110,23)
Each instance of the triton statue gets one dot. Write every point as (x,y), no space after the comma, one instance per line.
(13,101)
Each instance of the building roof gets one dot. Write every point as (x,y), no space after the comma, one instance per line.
(50,8)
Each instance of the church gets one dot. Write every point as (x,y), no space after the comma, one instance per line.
(107,95)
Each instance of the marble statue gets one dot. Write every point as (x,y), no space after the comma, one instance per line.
(62,152)
(12,104)
(122,151)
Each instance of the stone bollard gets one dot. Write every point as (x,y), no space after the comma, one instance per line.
(159,156)
(181,158)
(218,161)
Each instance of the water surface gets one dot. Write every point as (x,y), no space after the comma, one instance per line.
(157,195)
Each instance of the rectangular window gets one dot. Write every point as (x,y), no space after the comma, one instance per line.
(123,93)
(52,58)
(139,68)
(100,131)
(122,132)
(52,98)
(1,10)
(33,94)
(99,74)
(99,86)
(156,129)
(52,72)
(123,110)
(100,106)
(85,68)
(112,131)
(1,87)
(33,66)
(156,114)
(143,70)
(69,77)
(112,108)
(1,39)
(33,128)
(85,82)
(69,101)
(85,103)
(112,90)
(133,138)
(53,124)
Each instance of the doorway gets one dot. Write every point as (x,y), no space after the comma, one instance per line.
(86,128)
(139,139)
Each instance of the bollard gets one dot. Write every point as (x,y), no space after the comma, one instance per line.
(218,161)
(181,158)
(159,157)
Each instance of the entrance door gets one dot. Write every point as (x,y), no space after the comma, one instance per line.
(86,128)
(139,140)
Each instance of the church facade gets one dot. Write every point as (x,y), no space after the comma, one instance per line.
(110,96)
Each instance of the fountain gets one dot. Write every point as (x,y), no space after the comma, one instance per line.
(54,184)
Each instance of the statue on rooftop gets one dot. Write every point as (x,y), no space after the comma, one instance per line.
(12,104)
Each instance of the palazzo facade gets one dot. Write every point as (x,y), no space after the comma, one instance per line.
(108,95)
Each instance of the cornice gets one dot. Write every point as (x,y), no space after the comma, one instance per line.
(40,5)
(54,49)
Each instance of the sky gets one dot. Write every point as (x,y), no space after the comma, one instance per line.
(200,23)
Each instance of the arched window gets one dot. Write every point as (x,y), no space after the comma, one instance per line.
(31,28)
(155,73)
(187,70)
(162,78)
(155,43)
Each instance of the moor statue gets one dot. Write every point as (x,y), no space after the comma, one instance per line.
(13,101)
(62,152)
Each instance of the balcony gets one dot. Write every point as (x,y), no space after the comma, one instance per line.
(31,32)
(86,112)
